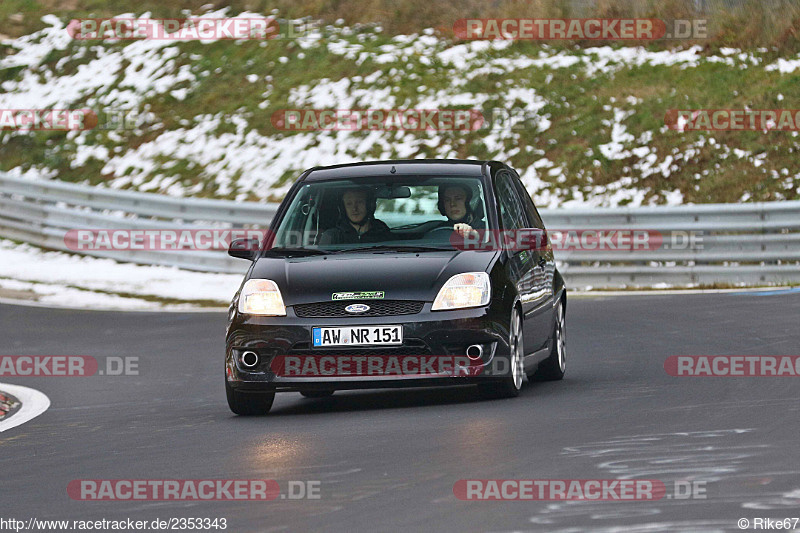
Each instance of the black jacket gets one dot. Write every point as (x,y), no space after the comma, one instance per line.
(345,233)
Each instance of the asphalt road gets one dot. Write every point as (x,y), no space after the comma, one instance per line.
(388,460)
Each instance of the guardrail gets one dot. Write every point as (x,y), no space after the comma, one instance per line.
(752,244)
(42,212)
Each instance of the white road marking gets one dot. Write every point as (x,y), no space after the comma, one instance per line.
(31,303)
(674,292)
(33,402)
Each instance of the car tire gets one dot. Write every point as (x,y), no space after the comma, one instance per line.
(509,387)
(317,393)
(554,367)
(249,403)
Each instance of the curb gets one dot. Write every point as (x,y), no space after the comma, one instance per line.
(32,403)
(9,405)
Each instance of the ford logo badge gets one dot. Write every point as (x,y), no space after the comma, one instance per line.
(357,308)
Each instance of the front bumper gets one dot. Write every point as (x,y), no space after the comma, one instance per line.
(427,333)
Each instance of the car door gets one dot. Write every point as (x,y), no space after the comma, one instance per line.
(522,267)
(545,264)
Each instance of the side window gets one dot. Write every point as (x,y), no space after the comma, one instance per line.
(530,208)
(512,214)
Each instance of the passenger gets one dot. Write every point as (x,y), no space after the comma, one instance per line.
(357,222)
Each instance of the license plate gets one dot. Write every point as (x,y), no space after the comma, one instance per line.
(358,336)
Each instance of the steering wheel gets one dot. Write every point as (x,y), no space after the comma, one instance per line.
(441,228)
(409,226)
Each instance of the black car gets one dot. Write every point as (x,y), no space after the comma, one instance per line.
(392,274)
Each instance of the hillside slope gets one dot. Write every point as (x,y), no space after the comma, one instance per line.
(588,128)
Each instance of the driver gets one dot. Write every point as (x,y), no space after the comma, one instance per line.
(455,204)
(357,222)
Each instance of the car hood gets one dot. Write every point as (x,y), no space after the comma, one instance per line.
(401,276)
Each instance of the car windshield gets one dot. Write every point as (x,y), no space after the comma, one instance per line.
(401,213)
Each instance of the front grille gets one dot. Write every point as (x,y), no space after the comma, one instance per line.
(376,308)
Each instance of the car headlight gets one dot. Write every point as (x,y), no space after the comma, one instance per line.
(471,289)
(261,297)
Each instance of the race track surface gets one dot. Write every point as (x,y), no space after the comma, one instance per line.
(388,460)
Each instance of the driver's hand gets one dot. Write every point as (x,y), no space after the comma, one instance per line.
(464,229)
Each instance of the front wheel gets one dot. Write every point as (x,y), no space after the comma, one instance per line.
(510,386)
(248,403)
(554,367)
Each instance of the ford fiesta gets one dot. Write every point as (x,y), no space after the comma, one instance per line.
(397,274)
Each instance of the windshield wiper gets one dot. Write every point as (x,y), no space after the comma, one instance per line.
(297,251)
(398,248)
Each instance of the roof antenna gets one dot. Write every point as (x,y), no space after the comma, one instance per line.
(393,170)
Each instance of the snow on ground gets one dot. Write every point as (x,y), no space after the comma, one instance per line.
(55,295)
(241,155)
(149,69)
(63,279)
(244,160)
(619,135)
(784,66)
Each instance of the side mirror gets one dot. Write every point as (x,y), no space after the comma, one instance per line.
(244,248)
